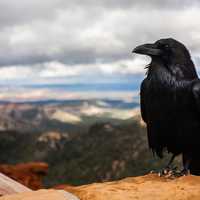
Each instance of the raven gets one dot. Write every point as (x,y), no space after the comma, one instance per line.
(170,102)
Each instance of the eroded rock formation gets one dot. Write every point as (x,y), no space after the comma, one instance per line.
(28,174)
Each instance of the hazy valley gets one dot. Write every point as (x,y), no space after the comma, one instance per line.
(82,141)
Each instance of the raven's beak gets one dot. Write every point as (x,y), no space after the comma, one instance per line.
(147,49)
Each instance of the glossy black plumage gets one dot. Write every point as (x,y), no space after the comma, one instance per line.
(170,101)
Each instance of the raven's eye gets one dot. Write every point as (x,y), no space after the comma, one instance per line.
(166,46)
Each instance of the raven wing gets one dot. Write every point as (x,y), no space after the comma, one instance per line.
(142,101)
(196,93)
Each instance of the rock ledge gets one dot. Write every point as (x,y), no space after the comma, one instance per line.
(149,187)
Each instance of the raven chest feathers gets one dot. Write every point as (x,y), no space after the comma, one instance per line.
(160,85)
(161,95)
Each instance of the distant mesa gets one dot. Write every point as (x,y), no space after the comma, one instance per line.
(66,117)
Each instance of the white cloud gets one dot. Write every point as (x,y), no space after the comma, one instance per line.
(55,70)
(125,67)
(15,72)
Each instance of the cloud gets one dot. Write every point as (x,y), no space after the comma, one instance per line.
(54,70)
(61,38)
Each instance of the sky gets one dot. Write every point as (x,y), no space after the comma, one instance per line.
(52,42)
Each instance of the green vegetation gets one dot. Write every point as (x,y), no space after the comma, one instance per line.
(107,151)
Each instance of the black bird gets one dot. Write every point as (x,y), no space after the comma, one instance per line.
(170,102)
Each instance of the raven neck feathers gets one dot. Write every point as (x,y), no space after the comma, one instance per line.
(179,70)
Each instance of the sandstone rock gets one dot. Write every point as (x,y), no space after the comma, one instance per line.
(28,174)
(149,187)
(41,195)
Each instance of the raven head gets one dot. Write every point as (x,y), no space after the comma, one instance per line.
(172,53)
(169,50)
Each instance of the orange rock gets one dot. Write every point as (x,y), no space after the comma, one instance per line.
(28,174)
(41,195)
(149,187)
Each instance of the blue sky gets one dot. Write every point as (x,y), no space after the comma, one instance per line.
(78,43)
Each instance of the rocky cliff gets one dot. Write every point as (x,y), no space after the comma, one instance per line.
(149,187)
(41,195)
(28,174)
